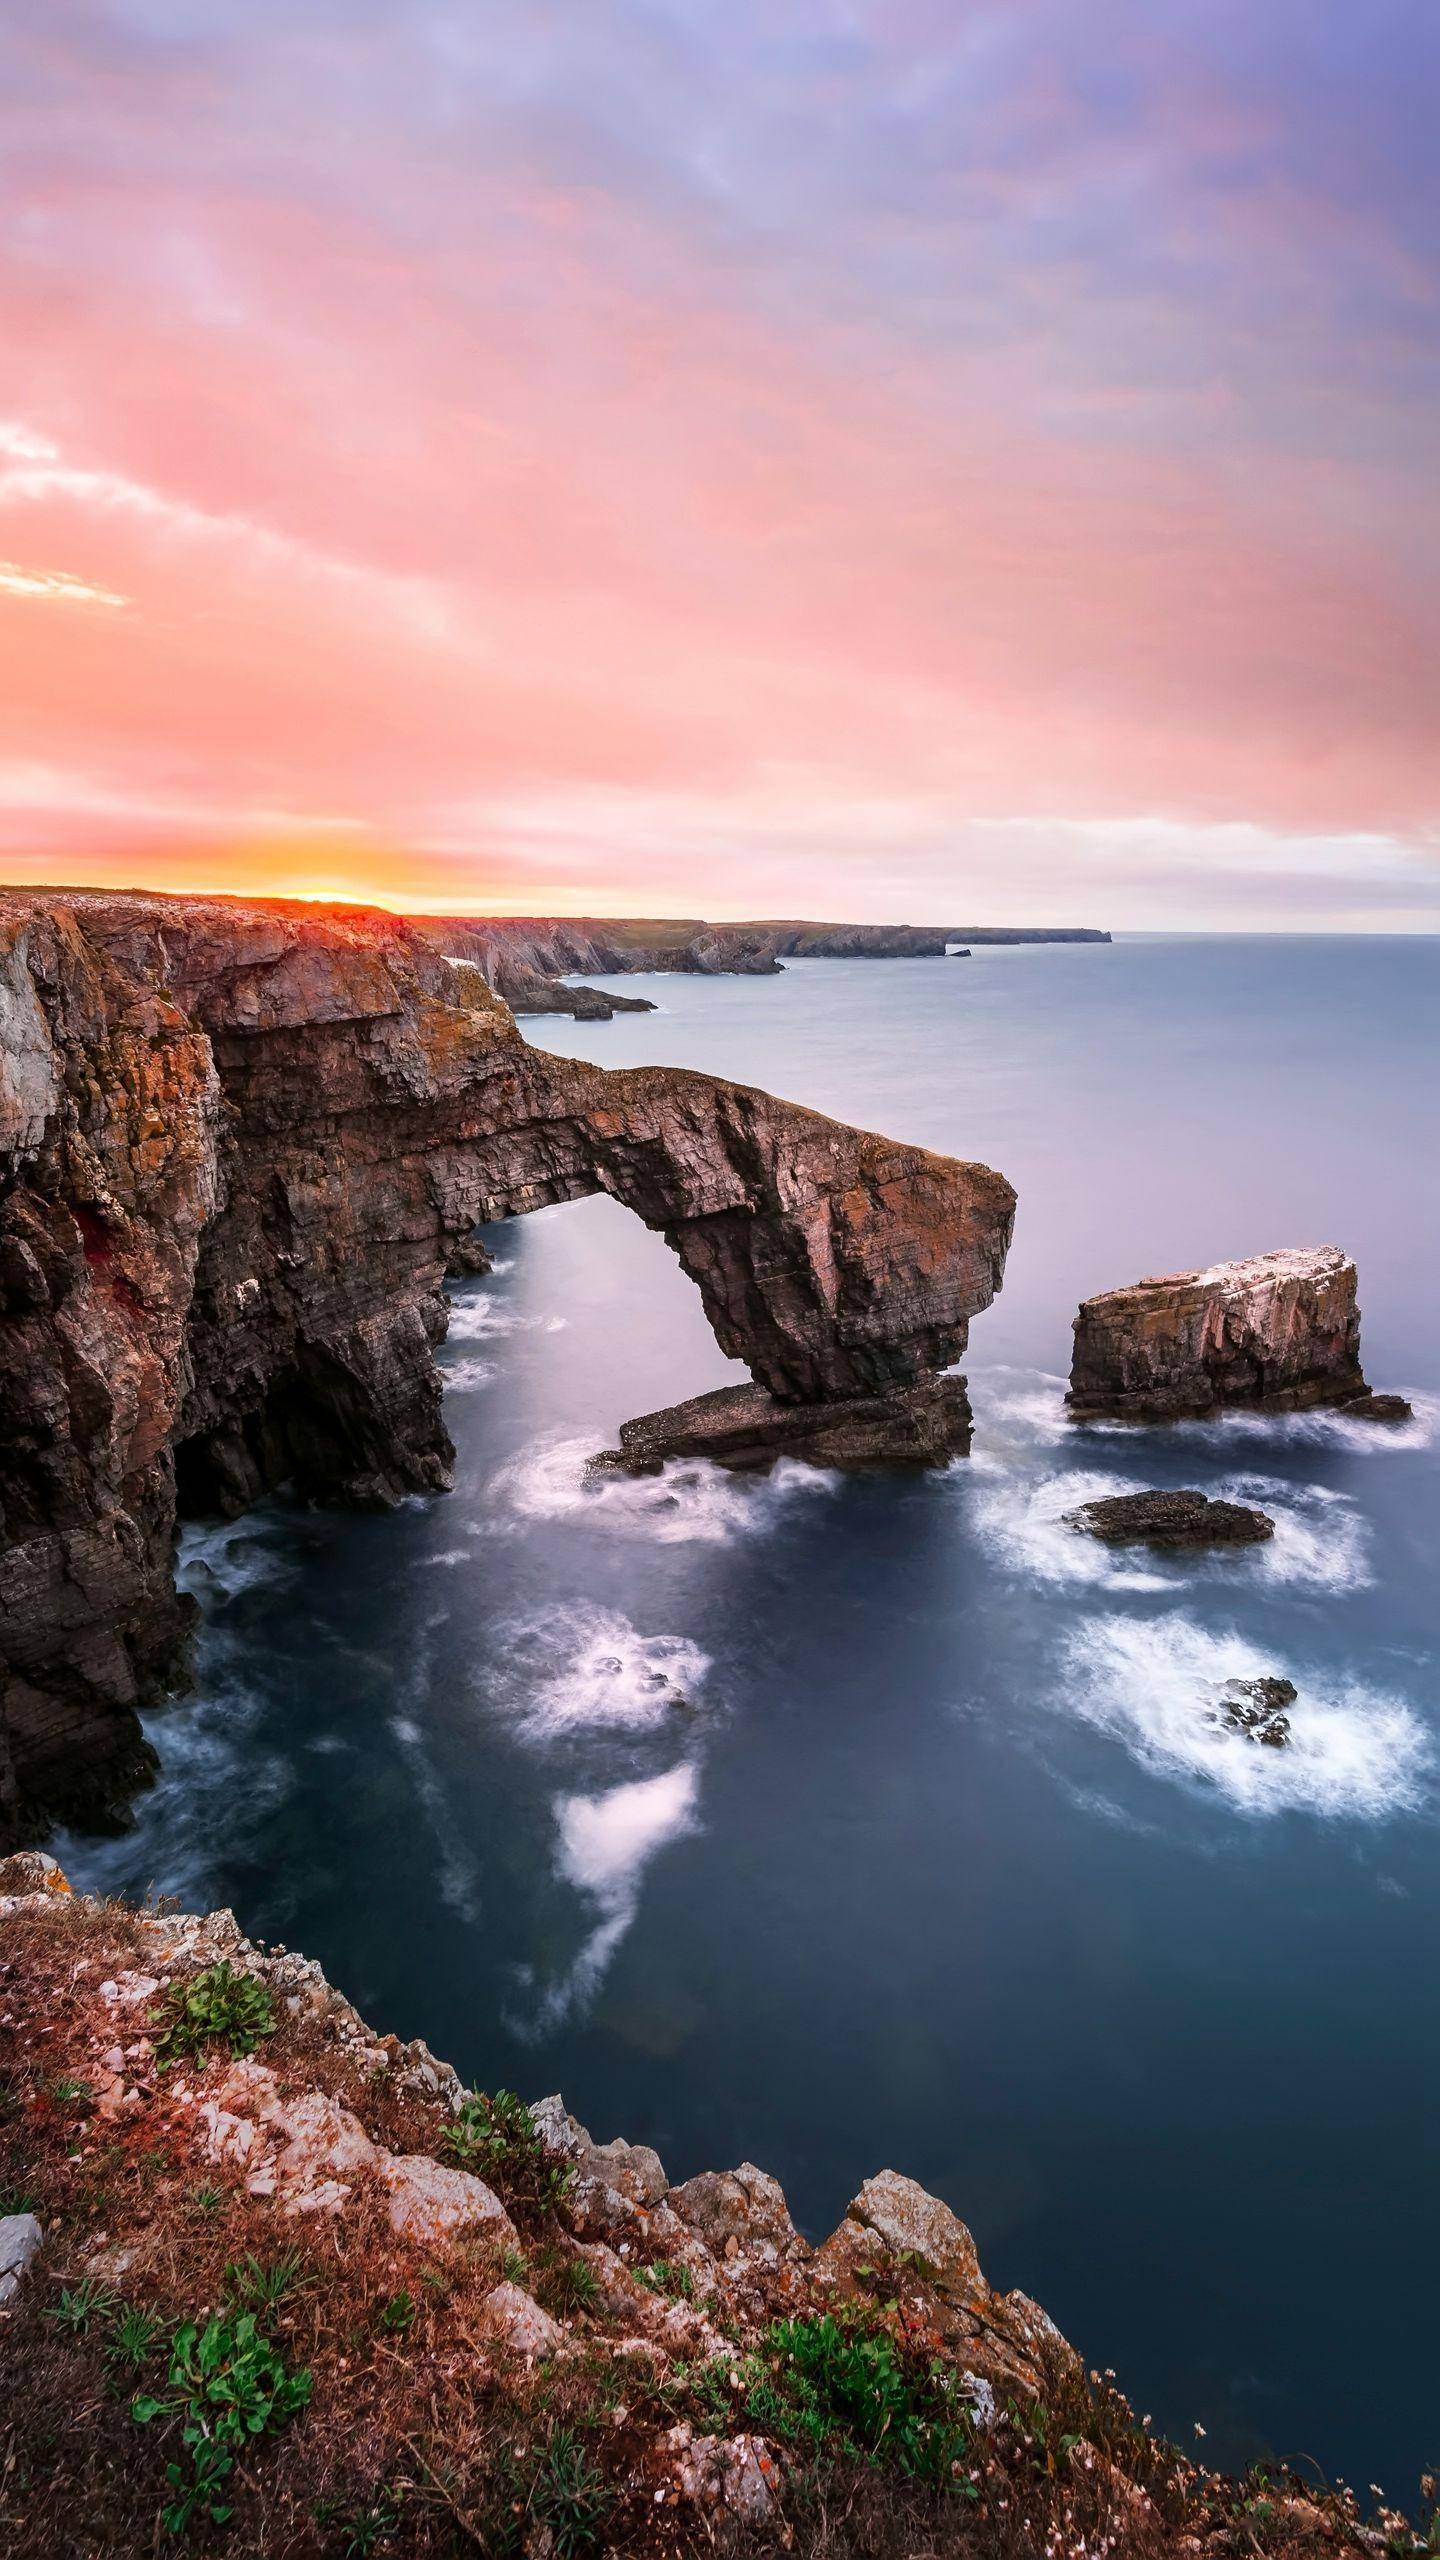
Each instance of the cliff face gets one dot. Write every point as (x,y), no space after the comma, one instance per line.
(483,2329)
(1281,1330)
(239,1147)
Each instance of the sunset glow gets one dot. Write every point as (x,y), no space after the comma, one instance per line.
(883,460)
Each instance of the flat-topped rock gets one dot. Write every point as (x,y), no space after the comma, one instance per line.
(744,1428)
(1279,1331)
(1185,1519)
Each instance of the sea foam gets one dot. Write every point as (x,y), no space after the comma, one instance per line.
(690,1500)
(584,1666)
(1156,1684)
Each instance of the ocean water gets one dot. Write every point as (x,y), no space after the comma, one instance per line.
(836,1825)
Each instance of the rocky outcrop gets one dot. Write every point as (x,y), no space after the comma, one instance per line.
(1186,1519)
(1280,1331)
(1256,1708)
(493,2332)
(744,1428)
(239,1149)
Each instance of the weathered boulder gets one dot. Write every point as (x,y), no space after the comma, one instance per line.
(1281,1331)
(514,2319)
(746,1429)
(239,1149)
(21,2239)
(1186,1519)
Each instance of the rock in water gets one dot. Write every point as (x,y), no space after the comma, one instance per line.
(743,1427)
(1185,1519)
(1257,1708)
(1281,1331)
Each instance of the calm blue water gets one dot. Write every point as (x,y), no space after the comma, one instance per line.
(836,1825)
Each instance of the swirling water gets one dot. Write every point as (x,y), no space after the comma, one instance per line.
(842,1824)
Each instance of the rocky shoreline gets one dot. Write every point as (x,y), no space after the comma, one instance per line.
(481,2328)
(528,959)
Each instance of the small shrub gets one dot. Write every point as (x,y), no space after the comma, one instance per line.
(843,2392)
(207,2201)
(398,2314)
(73,2093)
(89,2301)
(219,2006)
(227,2385)
(256,2287)
(494,2137)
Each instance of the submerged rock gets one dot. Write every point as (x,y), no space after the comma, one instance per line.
(1280,1331)
(1185,1519)
(744,1428)
(1257,1708)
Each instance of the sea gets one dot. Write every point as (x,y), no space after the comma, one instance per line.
(844,1824)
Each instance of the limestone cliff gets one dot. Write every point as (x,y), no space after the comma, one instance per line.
(1281,1330)
(239,1148)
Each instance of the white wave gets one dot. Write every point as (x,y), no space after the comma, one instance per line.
(1028,1406)
(1021,1405)
(689,1500)
(1323,1426)
(1156,1683)
(1320,1538)
(461,1376)
(225,1558)
(585,1666)
(1024,1524)
(476,1319)
(604,1844)
(216,1790)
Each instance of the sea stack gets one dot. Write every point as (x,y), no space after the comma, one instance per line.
(1280,1332)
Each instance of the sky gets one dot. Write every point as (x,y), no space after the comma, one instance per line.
(891,459)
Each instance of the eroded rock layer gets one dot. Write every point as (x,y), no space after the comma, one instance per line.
(1280,1330)
(743,1427)
(239,1149)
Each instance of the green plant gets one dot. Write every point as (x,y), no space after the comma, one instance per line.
(89,2301)
(133,2337)
(664,2276)
(842,2390)
(361,2530)
(569,2495)
(16,2200)
(568,2284)
(256,2287)
(515,2267)
(72,2093)
(227,2385)
(495,2137)
(219,2006)
(398,2314)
